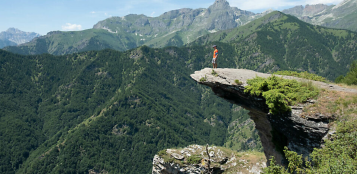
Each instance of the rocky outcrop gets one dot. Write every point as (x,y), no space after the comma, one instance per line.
(194,160)
(289,129)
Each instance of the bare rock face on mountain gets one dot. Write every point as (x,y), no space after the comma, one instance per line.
(311,10)
(338,16)
(17,36)
(223,16)
(13,36)
(299,134)
(308,10)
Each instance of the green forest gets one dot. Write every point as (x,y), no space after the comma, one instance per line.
(108,110)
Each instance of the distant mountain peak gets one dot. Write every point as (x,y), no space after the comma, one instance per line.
(17,36)
(13,30)
(220,4)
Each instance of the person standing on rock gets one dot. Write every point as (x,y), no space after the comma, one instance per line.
(215,55)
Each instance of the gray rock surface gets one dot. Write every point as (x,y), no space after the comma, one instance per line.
(284,129)
(227,76)
(17,36)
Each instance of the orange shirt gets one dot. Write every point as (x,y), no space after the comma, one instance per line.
(215,53)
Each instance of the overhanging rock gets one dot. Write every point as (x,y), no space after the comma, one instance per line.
(275,131)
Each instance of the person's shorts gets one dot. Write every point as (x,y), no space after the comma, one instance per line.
(214,60)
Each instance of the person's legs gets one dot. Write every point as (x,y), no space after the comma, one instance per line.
(213,65)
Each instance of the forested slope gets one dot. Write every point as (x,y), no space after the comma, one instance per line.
(107,110)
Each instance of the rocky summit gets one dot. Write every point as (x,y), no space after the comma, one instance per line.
(17,36)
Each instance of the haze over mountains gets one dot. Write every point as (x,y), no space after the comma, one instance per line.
(13,36)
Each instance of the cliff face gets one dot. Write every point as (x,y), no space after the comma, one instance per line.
(276,131)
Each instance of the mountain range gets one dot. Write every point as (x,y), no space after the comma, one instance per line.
(176,28)
(341,16)
(173,28)
(13,37)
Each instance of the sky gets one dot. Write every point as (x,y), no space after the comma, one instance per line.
(43,16)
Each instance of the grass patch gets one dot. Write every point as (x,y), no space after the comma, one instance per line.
(238,82)
(214,73)
(203,79)
(332,104)
(304,75)
(194,159)
(162,153)
(280,93)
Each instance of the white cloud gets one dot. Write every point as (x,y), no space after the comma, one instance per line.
(93,12)
(71,27)
(152,14)
(276,4)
